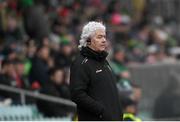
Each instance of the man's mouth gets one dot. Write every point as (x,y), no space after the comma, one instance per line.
(103,45)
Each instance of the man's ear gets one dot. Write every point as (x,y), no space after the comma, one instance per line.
(89,41)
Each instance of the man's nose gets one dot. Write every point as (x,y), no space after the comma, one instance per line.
(104,40)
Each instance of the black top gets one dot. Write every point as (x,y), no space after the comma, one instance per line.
(93,88)
(39,71)
(51,109)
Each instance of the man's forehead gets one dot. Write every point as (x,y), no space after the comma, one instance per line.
(100,32)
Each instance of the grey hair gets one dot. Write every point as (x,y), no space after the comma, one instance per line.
(88,30)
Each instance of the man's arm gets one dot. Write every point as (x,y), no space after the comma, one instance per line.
(79,80)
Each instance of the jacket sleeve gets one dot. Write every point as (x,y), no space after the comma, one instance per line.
(79,80)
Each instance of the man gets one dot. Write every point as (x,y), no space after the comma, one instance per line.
(92,83)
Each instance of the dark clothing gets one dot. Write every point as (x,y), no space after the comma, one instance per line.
(11,36)
(62,60)
(93,87)
(9,81)
(39,71)
(51,109)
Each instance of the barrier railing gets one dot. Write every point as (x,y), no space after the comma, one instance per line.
(24,93)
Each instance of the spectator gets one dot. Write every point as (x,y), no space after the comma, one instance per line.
(56,87)
(120,69)
(7,78)
(9,53)
(19,76)
(12,33)
(64,57)
(137,93)
(7,72)
(40,67)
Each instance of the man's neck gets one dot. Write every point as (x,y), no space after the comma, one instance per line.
(93,48)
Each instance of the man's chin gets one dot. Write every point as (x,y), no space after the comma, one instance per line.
(102,50)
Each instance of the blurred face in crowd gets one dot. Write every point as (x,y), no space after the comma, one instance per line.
(137,93)
(58,77)
(125,74)
(131,109)
(67,49)
(31,50)
(44,53)
(12,23)
(160,37)
(19,67)
(98,41)
(119,56)
(8,69)
(46,41)
(12,55)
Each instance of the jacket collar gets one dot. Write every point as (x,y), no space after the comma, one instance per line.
(89,53)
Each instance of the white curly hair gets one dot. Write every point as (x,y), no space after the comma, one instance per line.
(88,30)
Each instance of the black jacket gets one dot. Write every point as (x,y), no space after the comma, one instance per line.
(51,109)
(93,87)
(39,71)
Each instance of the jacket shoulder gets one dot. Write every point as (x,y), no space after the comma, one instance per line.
(80,61)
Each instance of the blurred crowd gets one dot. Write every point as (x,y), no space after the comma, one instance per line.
(39,40)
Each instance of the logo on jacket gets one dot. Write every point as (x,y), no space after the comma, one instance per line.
(84,61)
(100,70)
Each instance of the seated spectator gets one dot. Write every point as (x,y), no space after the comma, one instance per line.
(6,74)
(136,93)
(9,53)
(7,78)
(39,71)
(12,32)
(56,87)
(19,75)
(137,54)
(121,71)
(64,56)
(157,55)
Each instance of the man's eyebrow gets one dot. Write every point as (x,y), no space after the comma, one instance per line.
(101,35)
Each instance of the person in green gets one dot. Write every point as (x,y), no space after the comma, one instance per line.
(120,69)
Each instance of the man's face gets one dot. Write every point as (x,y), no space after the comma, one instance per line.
(98,41)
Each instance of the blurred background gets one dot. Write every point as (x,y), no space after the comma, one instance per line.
(39,39)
